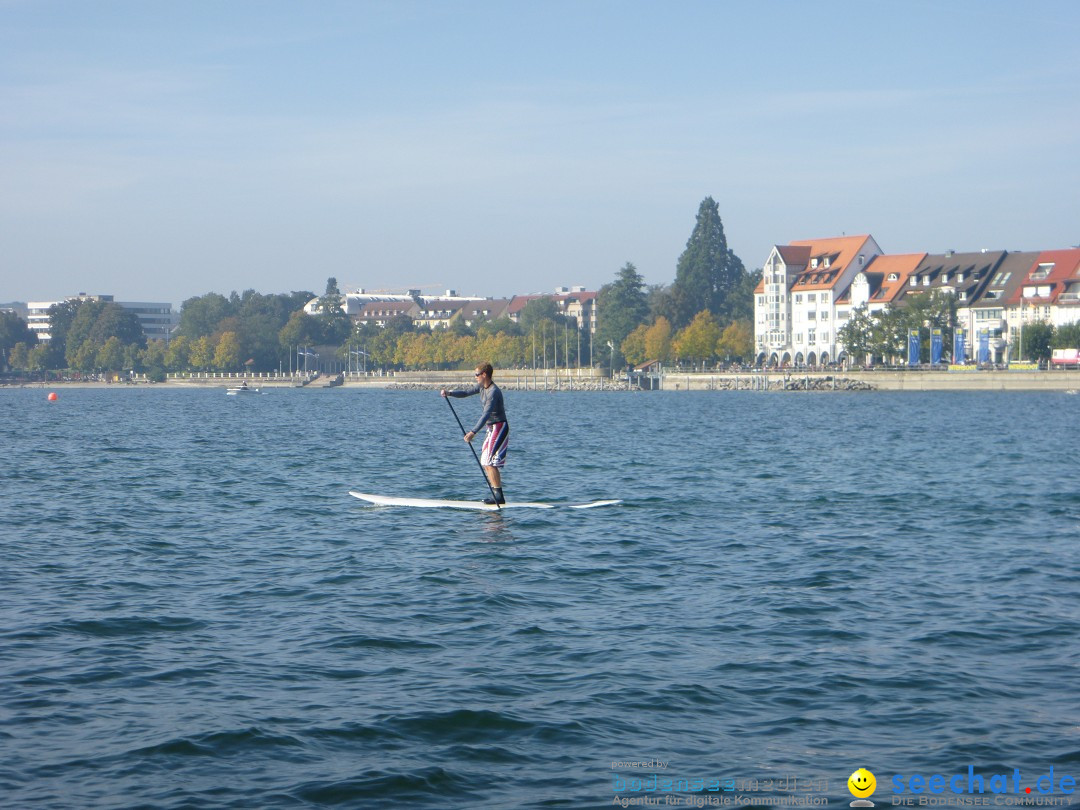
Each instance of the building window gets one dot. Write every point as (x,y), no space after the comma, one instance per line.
(810,340)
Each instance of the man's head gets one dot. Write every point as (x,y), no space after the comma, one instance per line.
(483,374)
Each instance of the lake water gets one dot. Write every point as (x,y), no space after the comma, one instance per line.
(196,614)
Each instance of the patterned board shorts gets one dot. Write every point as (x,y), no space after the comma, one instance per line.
(495,444)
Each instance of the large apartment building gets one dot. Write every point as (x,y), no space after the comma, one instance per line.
(795,305)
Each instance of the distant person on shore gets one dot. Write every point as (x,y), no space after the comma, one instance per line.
(493,456)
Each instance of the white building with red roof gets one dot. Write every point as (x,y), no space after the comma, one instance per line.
(795,305)
(1049,292)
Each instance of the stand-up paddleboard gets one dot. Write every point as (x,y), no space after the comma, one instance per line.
(436,503)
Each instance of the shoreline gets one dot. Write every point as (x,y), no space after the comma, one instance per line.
(984,380)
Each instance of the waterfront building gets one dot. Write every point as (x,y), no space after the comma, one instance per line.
(573,302)
(1048,291)
(981,309)
(486,311)
(352,304)
(436,311)
(795,304)
(380,313)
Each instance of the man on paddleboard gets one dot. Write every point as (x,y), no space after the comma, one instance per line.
(493,456)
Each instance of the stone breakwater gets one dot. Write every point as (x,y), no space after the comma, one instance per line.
(800,384)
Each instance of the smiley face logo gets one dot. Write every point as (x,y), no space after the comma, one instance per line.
(861,783)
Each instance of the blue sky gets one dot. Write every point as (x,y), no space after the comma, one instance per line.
(162,150)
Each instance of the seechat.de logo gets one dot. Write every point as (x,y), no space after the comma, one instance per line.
(861,784)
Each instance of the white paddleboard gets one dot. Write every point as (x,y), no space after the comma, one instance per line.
(436,503)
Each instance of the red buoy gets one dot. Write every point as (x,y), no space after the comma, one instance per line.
(52,396)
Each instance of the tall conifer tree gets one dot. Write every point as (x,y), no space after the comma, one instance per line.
(707,272)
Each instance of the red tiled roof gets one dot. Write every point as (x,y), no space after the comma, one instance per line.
(840,251)
(519,302)
(1066,266)
(901,265)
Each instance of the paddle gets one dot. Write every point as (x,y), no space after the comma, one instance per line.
(494,497)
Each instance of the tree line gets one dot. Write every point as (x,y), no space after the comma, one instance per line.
(705,314)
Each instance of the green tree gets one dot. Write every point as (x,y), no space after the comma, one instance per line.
(82,357)
(856,336)
(110,357)
(94,323)
(1066,336)
(1037,341)
(152,360)
(621,307)
(260,319)
(19,357)
(13,330)
(537,311)
(178,354)
(697,341)
(301,330)
(740,304)
(61,316)
(708,274)
(40,357)
(201,315)
(331,316)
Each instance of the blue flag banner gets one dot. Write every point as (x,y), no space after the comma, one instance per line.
(935,346)
(959,347)
(913,347)
(984,346)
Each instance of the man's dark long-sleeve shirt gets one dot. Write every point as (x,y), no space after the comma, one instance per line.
(492,400)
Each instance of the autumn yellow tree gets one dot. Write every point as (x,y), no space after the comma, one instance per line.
(633,347)
(737,342)
(697,342)
(658,341)
(201,353)
(227,352)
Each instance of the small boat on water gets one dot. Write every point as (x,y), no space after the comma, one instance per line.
(237,390)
